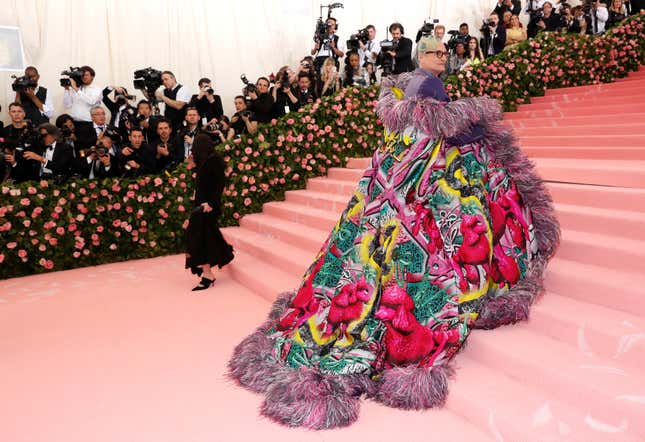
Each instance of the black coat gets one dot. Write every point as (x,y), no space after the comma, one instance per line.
(113,107)
(61,163)
(498,40)
(403,58)
(206,108)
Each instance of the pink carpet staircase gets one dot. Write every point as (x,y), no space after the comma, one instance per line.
(574,371)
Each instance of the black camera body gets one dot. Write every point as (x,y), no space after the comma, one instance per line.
(321,34)
(246,113)
(20,84)
(384,60)
(426,29)
(250,87)
(130,115)
(147,79)
(361,36)
(74,73)
(455,39)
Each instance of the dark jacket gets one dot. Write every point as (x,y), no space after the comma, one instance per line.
(403,58)
(498,40)
(206,108)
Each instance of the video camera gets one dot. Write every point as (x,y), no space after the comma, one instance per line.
(20,84)
(248,86)
(130,115)
(321,34)
(426,29)
(354,39)
(74,73)
(384,60)
(148,80)
(456,38)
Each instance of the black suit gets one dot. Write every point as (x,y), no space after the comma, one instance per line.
(143,156)
(60,164)
(515,9)
(498,40)
(206,108)
(99,168)
(403,58)
(113,107)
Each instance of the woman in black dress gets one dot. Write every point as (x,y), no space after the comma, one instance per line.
(205,245)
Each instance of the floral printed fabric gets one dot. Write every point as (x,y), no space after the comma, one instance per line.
(430,232)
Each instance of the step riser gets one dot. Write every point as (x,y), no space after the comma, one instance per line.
(555,139)
(280,260)
(309,243)
(302,217)
(345,174)
(601,224)
(587,131)
(589,153)
(305,199)
(572,103)
(578,111)
(600,197)
(321,185)
(571,98)
(602,255)
(603,177)
(600,89)
(519,122)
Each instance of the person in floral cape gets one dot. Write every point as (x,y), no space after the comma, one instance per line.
(449,229)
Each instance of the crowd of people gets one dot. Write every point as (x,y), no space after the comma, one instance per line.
(138,139)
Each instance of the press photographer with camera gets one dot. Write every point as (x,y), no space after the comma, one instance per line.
(145,119)
(175,96)
(282,92)
(119,106)
(101,160)
(514,6)
(261,102)
(243,121)
(19,136)
(368,50)
(65,124)
(305,93)
(599,16)
(87,135)
(51,159)
(549,20)
(166,147)
(186,135)
(136,157)
(327,44)
(456,61)
(80,94)
(220,132)
(18,126)
(401,51)
(206,101)
(35,99)
(493,36)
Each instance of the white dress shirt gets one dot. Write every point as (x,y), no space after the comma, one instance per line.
(48,105)
(49,156)
(80,102)
(372,46)
(601,16)
(325,50)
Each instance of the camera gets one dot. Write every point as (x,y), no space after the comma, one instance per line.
(246,113)
(248,86)
(354,39)
(209,90)
(455,38)
(321,34)
(426,29)
(384,60)
(74,73)
(148,80)
(20,84)
(214,127)
(130,115)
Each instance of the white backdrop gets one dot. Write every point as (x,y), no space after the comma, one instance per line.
(196,38)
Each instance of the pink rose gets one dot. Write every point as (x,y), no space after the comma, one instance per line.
(25,201)
(22,253)
(247,201)
(60,230)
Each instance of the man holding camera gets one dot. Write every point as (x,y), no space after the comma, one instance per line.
(18,136)
(330,46)
(493,36)
(261,101)
(401,52)
(165,147)
(35,99)
(88,135)
(52,161)
(119,106)
(305,93)
(80,98)
(599,15)
(186,135)
(101,161)
(243,121)
(175,97)
(549,21)
(137,157)
(514,6)
(368,52)
(207,102)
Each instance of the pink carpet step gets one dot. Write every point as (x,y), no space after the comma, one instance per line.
(616,289)
(607,141)
(337,173)
(296,234)
(606,152)
(573,97)
(625,97)
(327,185)
(634,128)
(612,334)
(599,172)
(315,218)
(600,89)
(611,222)
(358,163)
(287,258)
(319,200)
(607,121)
(608,251)
(570,374)
(494,404)
(602,197)
(583,110)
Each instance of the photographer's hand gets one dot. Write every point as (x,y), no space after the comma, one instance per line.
(206,208)
(188,139)
(253,95)
(392,53)
(133,164)
(105,159)
(29,155)
(10,158)
(73,84)
(127,151)
(162,150)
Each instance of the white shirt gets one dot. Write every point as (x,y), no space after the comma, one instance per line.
(80,102)
(48,105)
(372,46)
(49,156)
(602,15)
(325,50)
(183,94)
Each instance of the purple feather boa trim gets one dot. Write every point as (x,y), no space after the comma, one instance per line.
(433,117)
(412,387)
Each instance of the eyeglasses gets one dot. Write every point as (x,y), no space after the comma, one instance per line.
(439,54)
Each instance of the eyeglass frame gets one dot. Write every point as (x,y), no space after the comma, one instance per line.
(439,54)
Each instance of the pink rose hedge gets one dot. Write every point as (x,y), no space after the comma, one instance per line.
(46,228)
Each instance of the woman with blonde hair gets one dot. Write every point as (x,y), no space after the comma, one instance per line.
(329,78)
(516,33)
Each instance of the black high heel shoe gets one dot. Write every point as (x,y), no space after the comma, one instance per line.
(204,284)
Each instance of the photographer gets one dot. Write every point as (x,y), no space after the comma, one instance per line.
(261,101)
(493,36)
(599,16)
(101,161)
(78,99)
(119,107)
(136,157)
(18,137)
(456,61)
(401,53)
(146,121)
(329,46)
(222,131)
(87,135)
(243,120)
(549,21)
(368,52)
(305,93)
(439,33)
(167,150)
(207,103)
(53,159)
(281,92)
(186,135)
(513,6)
(354,74)
(35,99)
(65,124)
(579,23)
(175,96)
(18,126)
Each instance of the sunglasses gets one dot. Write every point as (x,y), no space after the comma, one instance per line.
(439,54)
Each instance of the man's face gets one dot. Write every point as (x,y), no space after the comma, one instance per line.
(547,8)
(33,75)
(192,117)
(263,86)
(163,130)
(396,33)
(17,114)
(168,81)
(304,83)
(69,124)
(494,19)
(87,78)
(240,104)
(331,26)
(47,138)
(439,33)
(98,117)
(371,33)
(463,30)
(432,62)
(136,139)
(144,109)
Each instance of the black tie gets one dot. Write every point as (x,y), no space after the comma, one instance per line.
(595,22)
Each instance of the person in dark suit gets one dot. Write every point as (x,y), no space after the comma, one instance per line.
(207,102)
(87,135)
(205,245)
(493,36)
(51,159)
(402,53)
(136,158)
(514,6)
(101,160)
(119,106)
